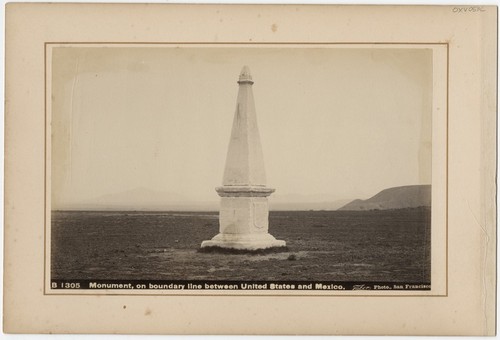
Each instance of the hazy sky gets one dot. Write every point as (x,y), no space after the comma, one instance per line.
(336,122)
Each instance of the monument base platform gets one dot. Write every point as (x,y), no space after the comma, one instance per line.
(243,242)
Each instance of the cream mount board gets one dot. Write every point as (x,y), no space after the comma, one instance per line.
(380,145)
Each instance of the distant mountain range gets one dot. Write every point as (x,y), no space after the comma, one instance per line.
(286,202)
(142,196)
(142,199)
(410,196)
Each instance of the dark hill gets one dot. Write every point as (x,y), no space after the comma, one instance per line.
(410,196)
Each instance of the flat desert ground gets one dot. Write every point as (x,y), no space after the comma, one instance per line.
(383,245)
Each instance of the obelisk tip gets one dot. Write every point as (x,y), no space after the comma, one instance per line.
(245,76)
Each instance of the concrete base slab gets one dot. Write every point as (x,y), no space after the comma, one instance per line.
(244,241)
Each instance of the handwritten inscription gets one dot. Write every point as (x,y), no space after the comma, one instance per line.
(470,9)
(361,287)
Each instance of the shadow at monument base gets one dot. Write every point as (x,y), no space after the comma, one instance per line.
(222,250)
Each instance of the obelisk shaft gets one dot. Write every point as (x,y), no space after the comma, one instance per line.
(245,161)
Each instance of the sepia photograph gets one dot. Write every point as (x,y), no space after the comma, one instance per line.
(237,168)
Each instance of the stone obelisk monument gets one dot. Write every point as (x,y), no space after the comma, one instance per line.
(244,210)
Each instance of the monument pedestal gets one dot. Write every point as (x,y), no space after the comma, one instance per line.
(244,219)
